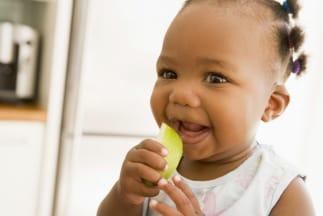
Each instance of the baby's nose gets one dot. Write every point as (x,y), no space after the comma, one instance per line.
(185,96)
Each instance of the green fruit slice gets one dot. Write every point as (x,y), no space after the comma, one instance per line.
(173,143)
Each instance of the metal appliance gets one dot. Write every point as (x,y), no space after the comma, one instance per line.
(18,60)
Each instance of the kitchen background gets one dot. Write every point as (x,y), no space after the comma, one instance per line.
(61,153)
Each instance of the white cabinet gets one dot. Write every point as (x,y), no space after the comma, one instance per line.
(20,162)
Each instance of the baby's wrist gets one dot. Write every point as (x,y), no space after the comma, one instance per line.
(127,199)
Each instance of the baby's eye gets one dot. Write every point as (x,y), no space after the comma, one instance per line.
(215,78)
(168,74)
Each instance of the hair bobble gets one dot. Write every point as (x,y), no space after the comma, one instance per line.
(297,67)
(287,7)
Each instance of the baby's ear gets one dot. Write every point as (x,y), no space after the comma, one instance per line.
(277,103)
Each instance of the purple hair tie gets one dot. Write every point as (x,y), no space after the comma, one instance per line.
(297,67)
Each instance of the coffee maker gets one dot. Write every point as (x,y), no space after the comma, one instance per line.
(18,61)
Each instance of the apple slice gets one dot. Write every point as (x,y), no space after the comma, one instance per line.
(173,143)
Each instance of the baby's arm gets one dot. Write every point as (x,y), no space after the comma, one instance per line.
(294,201)
(113,204)
(145,161)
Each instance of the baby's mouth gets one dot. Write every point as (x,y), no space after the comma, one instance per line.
(191,133)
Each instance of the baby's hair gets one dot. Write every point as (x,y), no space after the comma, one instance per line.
(289,36)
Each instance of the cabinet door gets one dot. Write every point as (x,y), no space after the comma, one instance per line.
(97,163)
(122,42)
(20,155)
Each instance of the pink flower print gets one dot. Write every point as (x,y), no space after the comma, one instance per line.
(210,204)
(271,186)
(210,208)
(243,180)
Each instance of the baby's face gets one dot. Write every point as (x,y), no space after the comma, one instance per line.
(213,81)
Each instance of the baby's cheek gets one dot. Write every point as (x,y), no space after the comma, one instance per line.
(157,106)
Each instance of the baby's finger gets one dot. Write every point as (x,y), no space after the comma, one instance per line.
(183,204)
(135,192)
(149,158)
(142,190)
(187,191)
(163,209)
(154,146)
(140,171)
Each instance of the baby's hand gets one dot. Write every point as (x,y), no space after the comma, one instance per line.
(143,163)
(184,199)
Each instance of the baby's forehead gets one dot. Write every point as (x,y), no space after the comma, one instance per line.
(257,13)
(245,21)
(254,9)
(207,29)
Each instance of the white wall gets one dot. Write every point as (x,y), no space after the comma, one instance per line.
(123,41)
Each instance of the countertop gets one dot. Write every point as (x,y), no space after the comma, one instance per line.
(22,112)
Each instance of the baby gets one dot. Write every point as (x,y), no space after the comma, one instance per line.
(222,70)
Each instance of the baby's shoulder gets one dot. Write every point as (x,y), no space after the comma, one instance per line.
(295,200)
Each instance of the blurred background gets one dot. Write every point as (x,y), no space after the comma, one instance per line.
(75,79)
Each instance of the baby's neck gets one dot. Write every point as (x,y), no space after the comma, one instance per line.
(212,169)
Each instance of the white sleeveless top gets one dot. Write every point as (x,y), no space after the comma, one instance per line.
(251,189)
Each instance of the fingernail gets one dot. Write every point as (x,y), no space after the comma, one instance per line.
(164,152)
(166,167)
(153,203)
(162,182)
(177,178)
